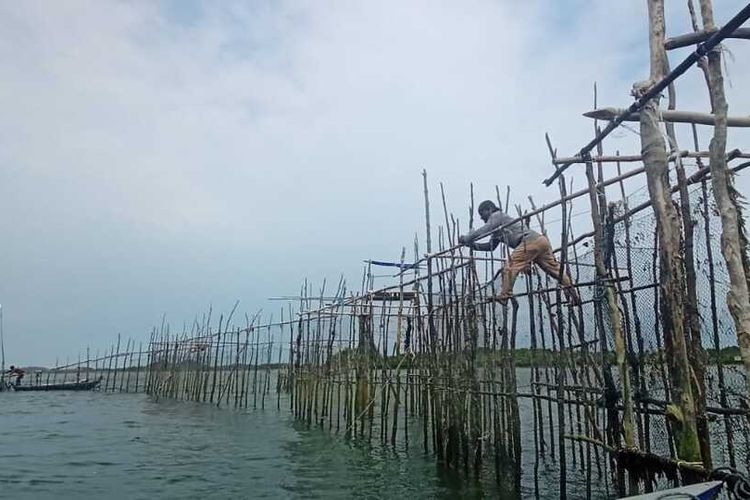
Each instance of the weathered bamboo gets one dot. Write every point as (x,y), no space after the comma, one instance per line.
(692,326)
(109,367)
(733,238)
(138,368)
(672,280)
(688,39)
(714,315)
(644,433)
(613,314)
(124,365)
(639,158)
(671,116)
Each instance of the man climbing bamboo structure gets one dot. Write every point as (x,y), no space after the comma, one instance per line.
(528,247)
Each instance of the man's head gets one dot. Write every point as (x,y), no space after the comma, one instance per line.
(485,209)
(12,367)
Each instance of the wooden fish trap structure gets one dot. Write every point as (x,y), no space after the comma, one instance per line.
(121,368)
(645,381)
(232,366)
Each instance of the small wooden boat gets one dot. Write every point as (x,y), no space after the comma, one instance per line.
(702,491)
(82,385)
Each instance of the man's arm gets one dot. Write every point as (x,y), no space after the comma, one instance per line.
(473,235)
(487,246)
(491,225)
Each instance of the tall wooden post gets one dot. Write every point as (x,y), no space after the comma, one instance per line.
(365,353)
(733,239)
(696,354)
(672,278)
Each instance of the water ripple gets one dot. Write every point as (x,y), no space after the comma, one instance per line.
(95,445)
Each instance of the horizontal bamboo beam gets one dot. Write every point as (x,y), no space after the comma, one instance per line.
(636,158)
(468,257)
(668,116)
(700,36)
(553,289)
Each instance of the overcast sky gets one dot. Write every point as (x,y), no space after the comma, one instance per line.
(160,157)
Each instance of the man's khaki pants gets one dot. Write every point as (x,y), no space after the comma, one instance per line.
(538,251)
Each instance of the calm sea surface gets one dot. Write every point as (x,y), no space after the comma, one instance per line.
(99,445)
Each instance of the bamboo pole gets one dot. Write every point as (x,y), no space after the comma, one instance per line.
(672,280)
(696,355)
(688,39)
(670,116)
(733,238)
(124,365)
(714,315)
(138,369)
(644,433)
(736,153)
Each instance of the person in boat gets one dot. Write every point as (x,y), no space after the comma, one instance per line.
(529,247)
(16,372)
